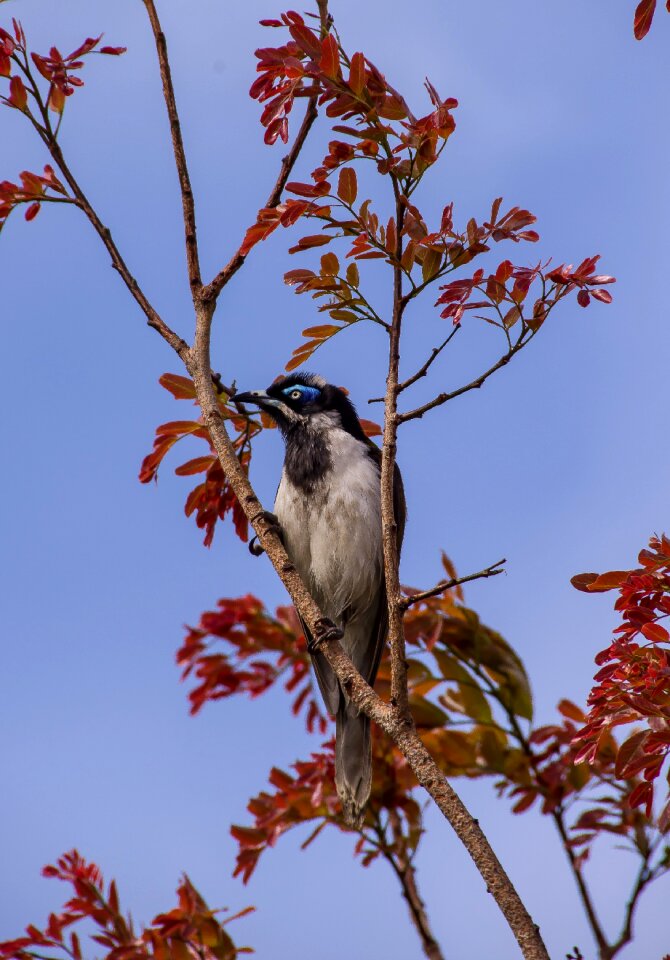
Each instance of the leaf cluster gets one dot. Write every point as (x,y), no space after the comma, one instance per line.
(190,931)
(633,683)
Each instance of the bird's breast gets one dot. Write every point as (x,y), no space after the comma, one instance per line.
(333,532)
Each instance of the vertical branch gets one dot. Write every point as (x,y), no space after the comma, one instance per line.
(559,822)
(389,524)
(188,204)
(396,854)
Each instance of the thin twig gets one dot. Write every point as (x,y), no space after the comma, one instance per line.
(422,371)
(474,385)
(178,344)
(212,290)
(491,571)
(643,878)
(404,870)
(188,203)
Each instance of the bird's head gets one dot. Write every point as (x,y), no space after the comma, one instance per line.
(302,399)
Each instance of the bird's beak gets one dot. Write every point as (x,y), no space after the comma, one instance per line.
(259,397)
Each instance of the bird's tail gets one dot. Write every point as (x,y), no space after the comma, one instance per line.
(353,761)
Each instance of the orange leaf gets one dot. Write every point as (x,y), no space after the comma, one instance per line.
(371,429)
(347,186)
(56,99)
(330,57)
(322,331)
(181,388)
(357,73)
(571,711)
(18,95)
(197,465)
(329,265)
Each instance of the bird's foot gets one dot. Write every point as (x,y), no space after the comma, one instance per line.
(325,630)
(274,526)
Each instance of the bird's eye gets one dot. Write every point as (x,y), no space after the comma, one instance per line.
(295,394)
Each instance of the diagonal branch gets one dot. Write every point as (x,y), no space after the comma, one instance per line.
(188,203)
(422,371)
(491,571)
(474,385)
(402,866)
(212,290)
(154,319)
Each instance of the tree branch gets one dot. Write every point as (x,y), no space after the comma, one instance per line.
(212,290)
(422,371)
(188,203)
(396,637)
(474,385)
(154,319)
(604,949)
(626,935)
(491,571)
(404,870)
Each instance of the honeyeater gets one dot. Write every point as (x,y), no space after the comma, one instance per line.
(328,508)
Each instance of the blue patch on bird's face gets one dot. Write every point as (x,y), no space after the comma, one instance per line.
(301,393)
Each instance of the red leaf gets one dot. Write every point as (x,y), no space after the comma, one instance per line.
(181,388)
(644,14)
(197,465)
(347,185)
(33,210)
(655,632)
(18,96)
(113,51)
(330,57)
(357,73)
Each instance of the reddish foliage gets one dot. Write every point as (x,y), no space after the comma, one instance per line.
(190,931)
(633,684)
(60,72)
(262,650)
(309,795)
(381,127)
(33,190)
(644,14)
(549,772)
(213,499)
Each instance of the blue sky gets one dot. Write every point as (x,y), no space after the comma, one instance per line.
(558,464)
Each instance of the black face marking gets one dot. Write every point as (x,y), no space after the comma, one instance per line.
(307,394)
(294,402)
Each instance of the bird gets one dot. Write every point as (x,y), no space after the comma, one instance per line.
(328,513)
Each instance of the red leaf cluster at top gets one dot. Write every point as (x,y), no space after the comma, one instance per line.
(58,70)
(349,87)
(633,683)
(190,931)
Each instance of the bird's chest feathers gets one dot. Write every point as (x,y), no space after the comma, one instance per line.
(332,525)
